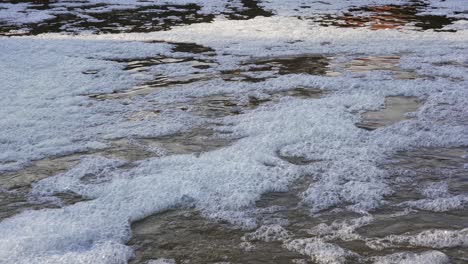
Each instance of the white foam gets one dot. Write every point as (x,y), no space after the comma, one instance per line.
(432,256)
(268,233)
(320,251)
(47,115)
(430,238)
(161,261)
(344,230)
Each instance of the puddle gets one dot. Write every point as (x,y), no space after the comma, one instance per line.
(395,110)
(387,17)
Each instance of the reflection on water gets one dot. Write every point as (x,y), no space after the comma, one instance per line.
(195,141)
(395,110)
(193,56)
(245,9)
(260,69)
(380,63)
(387,17)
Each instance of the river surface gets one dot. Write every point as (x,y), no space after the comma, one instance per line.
(233,131)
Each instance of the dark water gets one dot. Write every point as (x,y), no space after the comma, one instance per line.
(159,17)
(145,18)
(387,17)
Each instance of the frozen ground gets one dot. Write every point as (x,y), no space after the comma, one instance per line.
(268,131)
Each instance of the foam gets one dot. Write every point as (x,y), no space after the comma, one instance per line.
(268,233)
(161,261)
(344,230)
(439,199)
(320,251)
(444,204)
(79,124)
(436,238)
(51,115)
(432,256)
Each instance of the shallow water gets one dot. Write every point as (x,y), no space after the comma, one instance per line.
(184,235)
(395,110)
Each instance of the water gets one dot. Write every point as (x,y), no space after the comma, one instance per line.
(375,107)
